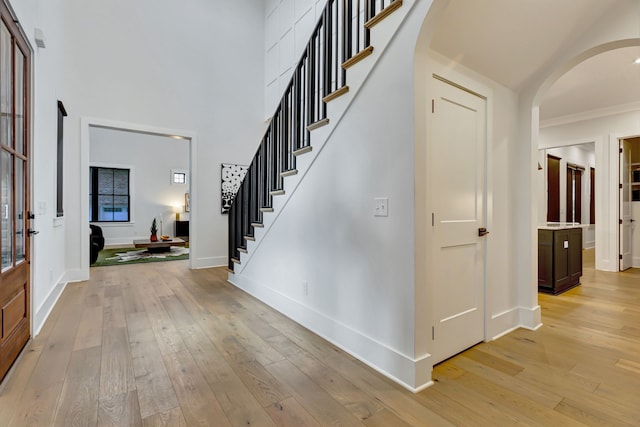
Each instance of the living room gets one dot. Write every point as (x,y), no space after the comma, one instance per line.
(150,179)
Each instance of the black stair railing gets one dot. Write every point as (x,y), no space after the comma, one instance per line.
(339,35)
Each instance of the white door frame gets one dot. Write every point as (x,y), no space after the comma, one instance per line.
(85,125)
(614,195)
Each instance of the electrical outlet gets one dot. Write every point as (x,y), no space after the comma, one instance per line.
(381,206)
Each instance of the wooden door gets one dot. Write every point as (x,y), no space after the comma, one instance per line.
(14,196)
(553,188)
(458,174)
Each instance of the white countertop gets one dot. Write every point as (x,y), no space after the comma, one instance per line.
(562,225)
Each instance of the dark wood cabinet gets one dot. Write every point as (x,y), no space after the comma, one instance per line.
(559,259)
(182,229)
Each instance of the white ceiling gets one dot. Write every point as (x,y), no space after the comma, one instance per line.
(510,40)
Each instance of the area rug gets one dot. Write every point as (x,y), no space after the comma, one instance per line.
(120,256)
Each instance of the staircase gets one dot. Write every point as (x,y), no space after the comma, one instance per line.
(341,39)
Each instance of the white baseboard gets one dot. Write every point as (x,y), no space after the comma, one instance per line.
(503,323)
(530,317)
(413,374)
(42,313)
(208,262)
(77,275)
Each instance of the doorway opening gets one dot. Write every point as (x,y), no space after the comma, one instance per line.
(151,174)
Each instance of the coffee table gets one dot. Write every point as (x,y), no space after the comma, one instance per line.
(159,245)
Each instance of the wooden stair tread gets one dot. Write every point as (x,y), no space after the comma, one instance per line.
(266,209)
(257,224)
(302,150)
(243,250)
(357,57)
(289,173)
(335,94)
(277,192)
(392,7)
(250,238)
(235,260)
(318,124)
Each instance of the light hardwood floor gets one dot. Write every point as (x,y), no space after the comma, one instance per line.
(160,345)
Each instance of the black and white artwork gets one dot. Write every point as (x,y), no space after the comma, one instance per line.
(232,176)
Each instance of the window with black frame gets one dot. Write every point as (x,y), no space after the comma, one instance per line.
(109,195)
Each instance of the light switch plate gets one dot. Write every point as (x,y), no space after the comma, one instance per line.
(381,206)
(566,244)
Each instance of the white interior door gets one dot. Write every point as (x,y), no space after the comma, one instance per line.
(626,231)
(458,175)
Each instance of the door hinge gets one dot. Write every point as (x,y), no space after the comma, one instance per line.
(620,186)
(620,256)
(620,150)
(433,332)
(620,221)
(433,219)
(433,105)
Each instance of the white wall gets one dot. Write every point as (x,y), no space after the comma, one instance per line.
(48,260)
(190,65)
(151,159)
(288,27)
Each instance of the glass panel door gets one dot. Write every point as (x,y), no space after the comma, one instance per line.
(15,272)
(6,203)
(6,87)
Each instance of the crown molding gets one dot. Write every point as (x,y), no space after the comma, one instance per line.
(591,114)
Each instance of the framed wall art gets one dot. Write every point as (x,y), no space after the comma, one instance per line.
(231,177)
